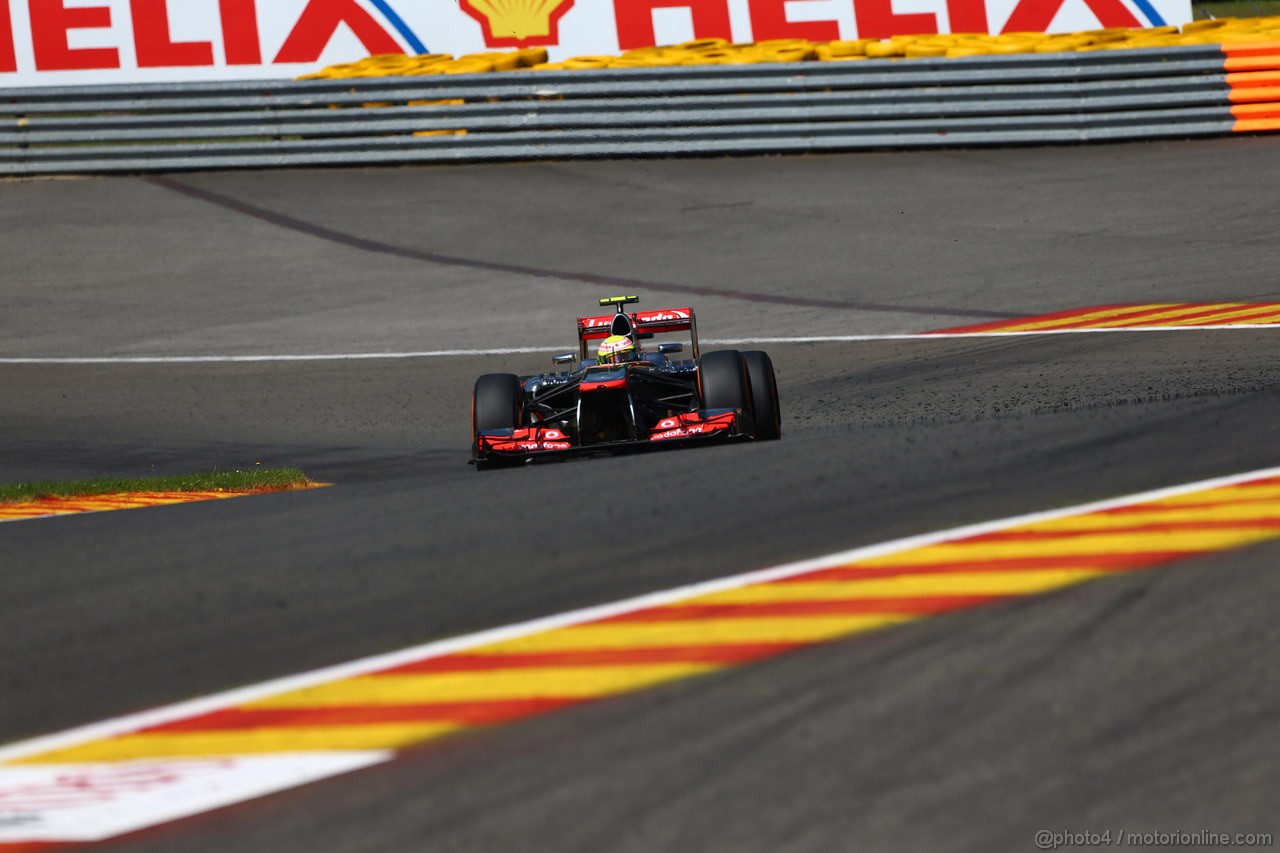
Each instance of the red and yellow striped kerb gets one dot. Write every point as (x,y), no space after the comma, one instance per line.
(51,506)
(1164,315)
(506,676)
(44,507)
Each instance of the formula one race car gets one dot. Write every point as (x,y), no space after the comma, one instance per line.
(626,397)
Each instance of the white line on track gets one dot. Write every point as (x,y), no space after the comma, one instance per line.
(439,648)
(454,353)
(220,359)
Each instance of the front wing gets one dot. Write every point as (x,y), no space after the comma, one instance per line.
(534,442)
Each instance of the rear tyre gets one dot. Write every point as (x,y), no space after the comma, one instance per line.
(764,395)
(495,404)
(723,382)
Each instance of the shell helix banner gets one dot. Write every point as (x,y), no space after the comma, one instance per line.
(74,42)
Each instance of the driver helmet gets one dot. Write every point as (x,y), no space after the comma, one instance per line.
(617,349)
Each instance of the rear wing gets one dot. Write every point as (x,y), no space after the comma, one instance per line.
(643,323)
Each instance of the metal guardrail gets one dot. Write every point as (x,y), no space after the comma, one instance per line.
(520,115)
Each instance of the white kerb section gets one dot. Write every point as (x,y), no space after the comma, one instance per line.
(93,802)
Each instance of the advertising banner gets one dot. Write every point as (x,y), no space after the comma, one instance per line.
(74,42)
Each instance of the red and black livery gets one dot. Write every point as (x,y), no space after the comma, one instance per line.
(653,401)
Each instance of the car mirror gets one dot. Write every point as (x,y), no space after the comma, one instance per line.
(670,348)
(564,358)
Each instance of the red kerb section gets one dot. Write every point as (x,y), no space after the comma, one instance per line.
(1106,562)
(716,654)
(998,325)
(818,607)
(471,713)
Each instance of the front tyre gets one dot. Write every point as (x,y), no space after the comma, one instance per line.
(723,382)
(495,404)
(764,394)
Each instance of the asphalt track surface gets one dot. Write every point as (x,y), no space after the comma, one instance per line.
(1149,702)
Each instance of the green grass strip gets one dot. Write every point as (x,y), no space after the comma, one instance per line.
(253,480)
(1202,9)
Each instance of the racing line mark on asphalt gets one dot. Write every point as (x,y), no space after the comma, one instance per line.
(610,282)
(122,775)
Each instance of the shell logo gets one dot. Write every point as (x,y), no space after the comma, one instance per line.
(518,23)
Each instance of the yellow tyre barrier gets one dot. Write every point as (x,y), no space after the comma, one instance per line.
(719,51)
